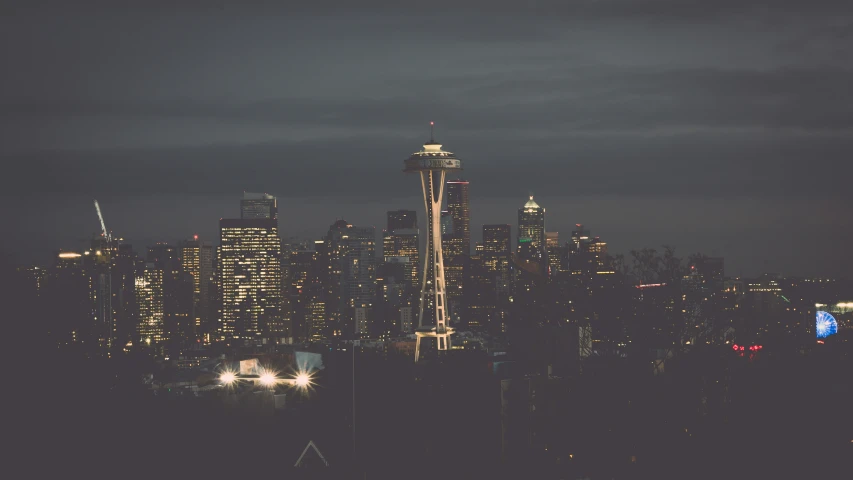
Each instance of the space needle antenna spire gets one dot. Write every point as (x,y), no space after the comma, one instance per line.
(432,164)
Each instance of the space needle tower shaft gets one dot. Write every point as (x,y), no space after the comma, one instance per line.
(433,163)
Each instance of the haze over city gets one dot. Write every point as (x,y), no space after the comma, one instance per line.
(720,127)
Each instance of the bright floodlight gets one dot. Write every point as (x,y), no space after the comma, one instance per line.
(303,380)
(227,378)
(268,379)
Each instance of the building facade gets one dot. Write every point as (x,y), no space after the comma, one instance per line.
(258,206)
(151,301)
(250,281)
(531,229)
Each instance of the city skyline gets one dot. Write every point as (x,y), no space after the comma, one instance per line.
(737,249)
(624,120)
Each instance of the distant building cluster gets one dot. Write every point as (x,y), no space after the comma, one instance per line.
(353,283)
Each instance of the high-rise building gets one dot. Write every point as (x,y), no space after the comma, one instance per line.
(150,299)
(250,280)
(402,220)
(497,253)
(197,260)
(597,250)
(258,206)
(316,320)
(531,228)
(98,263)
(401,238)
(351,253)
(457,206)
(393,306)
(306,293)
(497,239)
(359,274)
(446,224)
(178,305)
(456,239)
(579,236)
(127,266)
(558,255)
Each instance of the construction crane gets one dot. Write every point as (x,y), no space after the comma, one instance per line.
(105,311)
(104,231)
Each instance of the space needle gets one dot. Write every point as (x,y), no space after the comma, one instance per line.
(433,163)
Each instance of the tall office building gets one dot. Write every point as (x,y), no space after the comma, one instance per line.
(392,286)
(446,224)
(457,206)
(197,260)
(558,255)
(151,301)
(587,255)
(127,266)
(98,263)
(456,240)
(306,293)
(402,219)
(258,206)
(497,239)
(531,228)
(351,269)
(497,253)
(359,275)
(179,319)
(401,238)
(250,280)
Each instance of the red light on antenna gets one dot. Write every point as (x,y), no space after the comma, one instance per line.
(195,237)
(432,123)
(734,347)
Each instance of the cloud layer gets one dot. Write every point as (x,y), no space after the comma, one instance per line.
(687,101)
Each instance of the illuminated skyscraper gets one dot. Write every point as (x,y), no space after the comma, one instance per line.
(558,255)
(197,260)
(257,206)
(497,252)
(150,298)
(531,228)
(179,320)
(457,242)
(497,239)
(250,280)
(401,237)
(457,205)
(432,164)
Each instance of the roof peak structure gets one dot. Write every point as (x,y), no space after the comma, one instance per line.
(531,204)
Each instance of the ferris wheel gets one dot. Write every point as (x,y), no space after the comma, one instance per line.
(826,325)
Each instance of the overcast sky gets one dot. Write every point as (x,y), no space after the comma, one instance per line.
(718,126)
